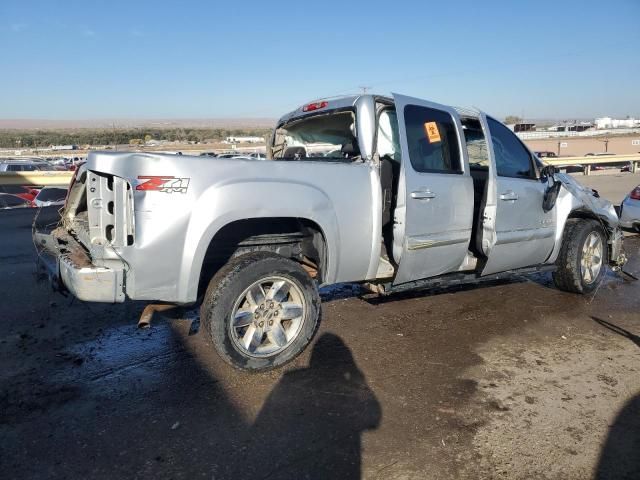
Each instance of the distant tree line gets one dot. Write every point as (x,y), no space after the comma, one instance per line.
(512,119)
(119,136)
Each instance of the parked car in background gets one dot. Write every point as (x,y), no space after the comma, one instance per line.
(59,163)
(603,166)
(9,200)
(25,165)
(49,196)
(546,154)
(208,154)
(628,167)
(630,210)
(259,156)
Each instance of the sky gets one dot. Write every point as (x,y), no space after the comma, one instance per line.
(209,59)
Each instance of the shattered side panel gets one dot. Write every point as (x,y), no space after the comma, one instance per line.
(601,207)
(576,197)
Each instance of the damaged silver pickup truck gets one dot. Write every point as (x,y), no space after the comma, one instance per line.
(394,193)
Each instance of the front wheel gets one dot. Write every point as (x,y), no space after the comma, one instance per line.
(260,310)
(583,256)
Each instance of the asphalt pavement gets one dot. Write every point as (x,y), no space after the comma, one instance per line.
(511,379)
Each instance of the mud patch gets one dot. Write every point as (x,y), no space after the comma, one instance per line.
(550,406)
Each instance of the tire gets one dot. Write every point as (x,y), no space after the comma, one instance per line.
(260,338)
(570,275)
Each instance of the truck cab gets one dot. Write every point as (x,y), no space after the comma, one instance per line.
(459,191)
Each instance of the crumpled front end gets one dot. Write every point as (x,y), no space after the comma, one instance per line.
(579,200)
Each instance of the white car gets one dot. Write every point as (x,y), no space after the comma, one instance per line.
(49,196)
(630,210)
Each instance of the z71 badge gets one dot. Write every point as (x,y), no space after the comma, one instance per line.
(163,183)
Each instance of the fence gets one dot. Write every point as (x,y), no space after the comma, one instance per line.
(64,178)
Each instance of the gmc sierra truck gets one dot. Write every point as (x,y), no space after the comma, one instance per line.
(392,192)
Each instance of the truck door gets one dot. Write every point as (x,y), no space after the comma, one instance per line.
(434,208)
(524,232)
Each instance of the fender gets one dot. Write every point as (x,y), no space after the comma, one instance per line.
(574,197)
(224,203)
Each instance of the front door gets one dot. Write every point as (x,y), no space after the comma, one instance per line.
(524,232)
(434,209)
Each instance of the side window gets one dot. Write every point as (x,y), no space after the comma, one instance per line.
(512,158)
(432,140)
(14,168)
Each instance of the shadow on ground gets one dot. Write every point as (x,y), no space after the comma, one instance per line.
(620,456)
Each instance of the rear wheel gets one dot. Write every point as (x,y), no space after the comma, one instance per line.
(583,256)
(260,311)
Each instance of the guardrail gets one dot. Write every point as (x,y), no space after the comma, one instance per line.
(64,178)
(48,179)
(587,162)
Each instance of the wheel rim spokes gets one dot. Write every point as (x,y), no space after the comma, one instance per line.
(243,318)
(267,317)
(591,260)
(291,310)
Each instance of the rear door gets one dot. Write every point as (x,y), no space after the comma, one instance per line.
(524,232)
(434,208)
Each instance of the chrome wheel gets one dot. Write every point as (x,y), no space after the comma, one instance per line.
(267,317)
(591,261)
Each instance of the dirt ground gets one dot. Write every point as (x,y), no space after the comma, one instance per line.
(513,379)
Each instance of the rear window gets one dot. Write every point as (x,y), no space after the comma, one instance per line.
(327,136)
(52,194)
(432,140)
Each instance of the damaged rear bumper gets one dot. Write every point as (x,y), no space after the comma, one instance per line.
(69,267)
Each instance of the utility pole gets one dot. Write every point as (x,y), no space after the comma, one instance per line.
(606,144)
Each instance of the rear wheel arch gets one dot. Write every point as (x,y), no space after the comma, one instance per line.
(300,239)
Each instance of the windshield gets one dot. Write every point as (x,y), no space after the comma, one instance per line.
(328,136)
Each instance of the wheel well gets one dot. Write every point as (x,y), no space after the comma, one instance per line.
(300,239)
(589,215)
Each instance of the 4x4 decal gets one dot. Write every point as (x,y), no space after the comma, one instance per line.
(163,183)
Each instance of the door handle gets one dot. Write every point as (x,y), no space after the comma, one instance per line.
(423,195)
(509,195)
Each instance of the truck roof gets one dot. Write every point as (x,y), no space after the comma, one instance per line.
(332,104)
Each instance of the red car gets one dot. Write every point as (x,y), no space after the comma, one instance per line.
(29,193)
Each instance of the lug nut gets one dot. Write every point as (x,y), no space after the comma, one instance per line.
(257,315)
(261,324)
(270,322)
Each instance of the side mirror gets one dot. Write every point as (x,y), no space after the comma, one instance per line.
(550,196)
(548,171)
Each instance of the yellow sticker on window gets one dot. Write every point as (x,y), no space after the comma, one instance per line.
(433,134)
